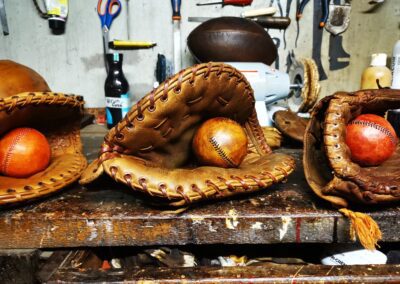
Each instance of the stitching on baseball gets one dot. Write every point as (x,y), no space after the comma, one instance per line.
(377,127)
(221,152)
(11,149)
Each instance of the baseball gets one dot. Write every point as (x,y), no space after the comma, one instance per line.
(371,139)
(220,142)
(23,152)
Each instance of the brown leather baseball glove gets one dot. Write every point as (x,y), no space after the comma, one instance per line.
(26,101)
(290,124)
(150,149)
(328,168)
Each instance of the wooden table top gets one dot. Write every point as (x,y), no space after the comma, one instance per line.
(107,214)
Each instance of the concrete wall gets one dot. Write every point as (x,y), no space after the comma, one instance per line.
(73,62)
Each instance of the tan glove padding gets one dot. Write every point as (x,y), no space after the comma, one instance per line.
(273,136)
(328,168)
(150,149)
(57,116)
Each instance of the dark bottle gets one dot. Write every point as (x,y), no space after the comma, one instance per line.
(117,90)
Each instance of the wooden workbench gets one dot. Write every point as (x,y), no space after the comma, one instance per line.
(108,214)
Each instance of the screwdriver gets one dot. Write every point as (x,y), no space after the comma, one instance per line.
(176,19)
(229,2)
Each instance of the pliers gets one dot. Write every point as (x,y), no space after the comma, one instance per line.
(325,11)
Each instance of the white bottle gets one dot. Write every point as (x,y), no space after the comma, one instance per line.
(396,66)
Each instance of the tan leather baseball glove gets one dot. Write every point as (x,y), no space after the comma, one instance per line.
(26,101)
(150,149)
(328,168)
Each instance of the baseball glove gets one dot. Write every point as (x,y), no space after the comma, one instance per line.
(290,124)
(273,136)
(328,168)
(26,101)
(150,149)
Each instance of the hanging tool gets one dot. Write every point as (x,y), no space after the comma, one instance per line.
(258,12)
(288,4)
(3,18)
(107,16)
(277,42)
(338,57)
(266,22)
(280,8)
(228,2)
(128,29)
(317,40)
(176,20)
(338,21)
(324,10)
(130,44)
(339,16)
(271,2)
(164,69)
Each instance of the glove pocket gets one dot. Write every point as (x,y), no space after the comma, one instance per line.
(57,117)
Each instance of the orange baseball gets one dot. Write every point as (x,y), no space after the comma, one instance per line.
(220,142)
(371,139)
(23,152)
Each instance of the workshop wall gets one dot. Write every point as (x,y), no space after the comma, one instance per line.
(73,62)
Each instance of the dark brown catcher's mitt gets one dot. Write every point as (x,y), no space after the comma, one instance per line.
(26,101)
(328,168)
(150,149)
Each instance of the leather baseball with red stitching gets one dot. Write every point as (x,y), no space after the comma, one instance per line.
(328,167)
(26,101)
(150,149)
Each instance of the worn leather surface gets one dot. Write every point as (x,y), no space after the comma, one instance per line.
(290,124)
(150,149)
(328,168)
(231,39)
(26,101)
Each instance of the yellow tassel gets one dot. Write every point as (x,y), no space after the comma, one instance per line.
(364,227)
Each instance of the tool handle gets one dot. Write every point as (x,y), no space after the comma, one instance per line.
(237,2)
(176,10)
(258,12)
(120,44)
(228,2)
(269,22)
(300,9)
(325,13)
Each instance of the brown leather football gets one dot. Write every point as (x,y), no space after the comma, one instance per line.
(231,39)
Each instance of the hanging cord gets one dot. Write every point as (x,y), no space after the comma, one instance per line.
(42,14)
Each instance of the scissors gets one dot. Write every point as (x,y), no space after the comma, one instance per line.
(107,16)
(325,11)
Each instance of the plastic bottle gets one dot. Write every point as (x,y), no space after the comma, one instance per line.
(376,71)
(57,11)
(396,66)
(117,90)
